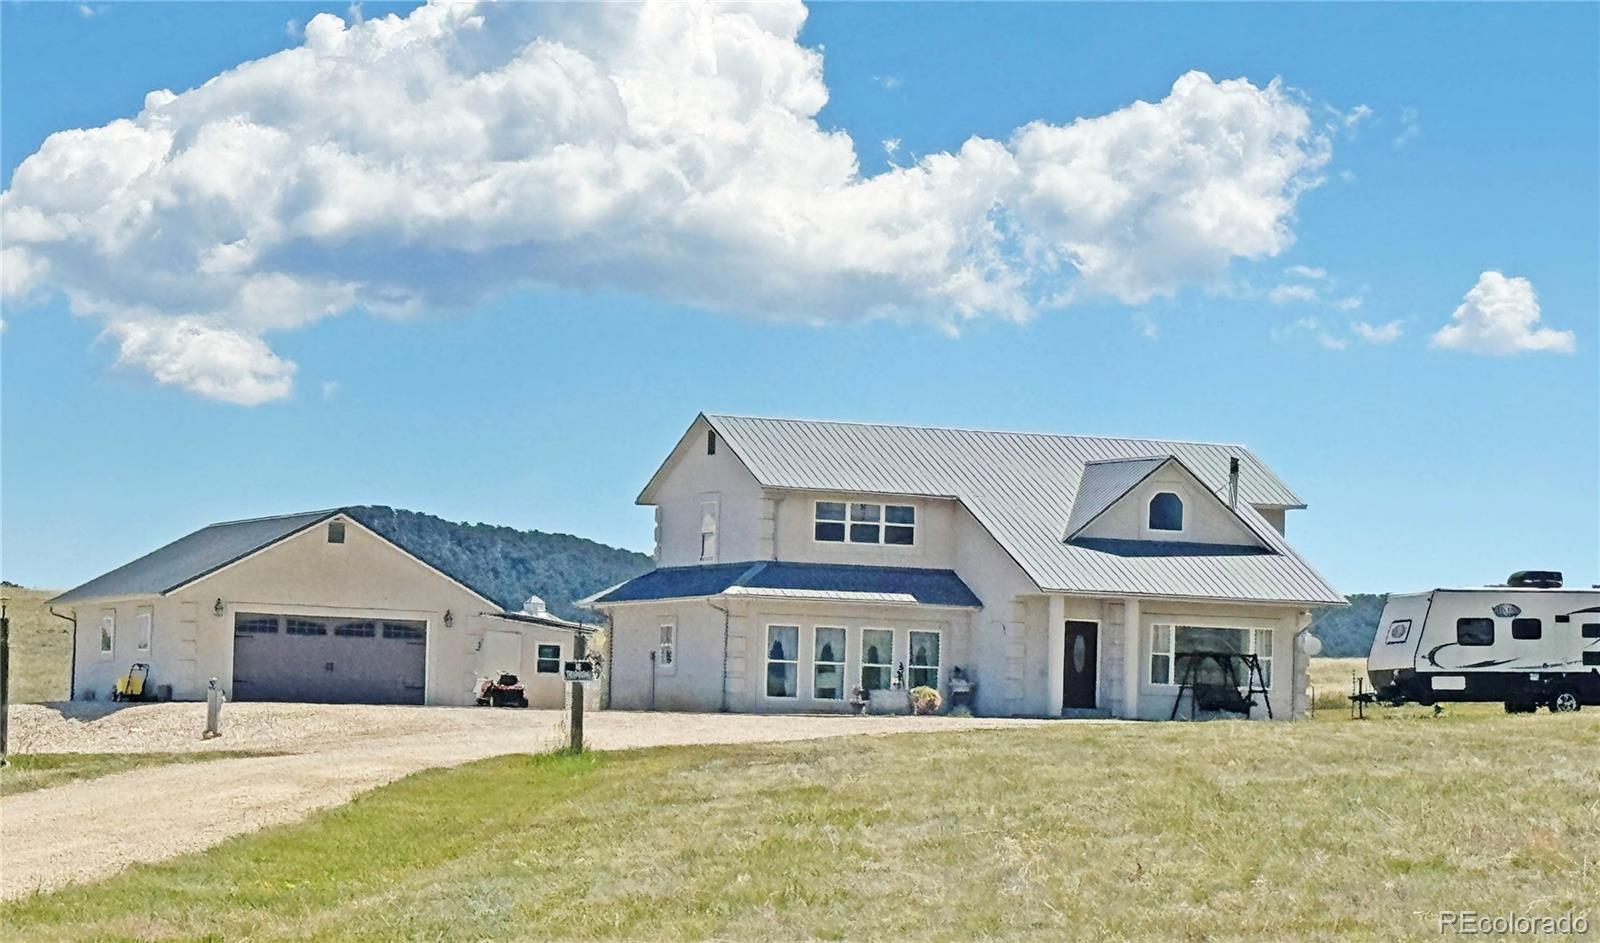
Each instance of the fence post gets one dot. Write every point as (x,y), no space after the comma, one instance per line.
(579,647)
(5,685)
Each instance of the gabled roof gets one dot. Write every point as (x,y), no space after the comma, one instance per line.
(211,548)
(188,558)
(833,581)
(1021,487)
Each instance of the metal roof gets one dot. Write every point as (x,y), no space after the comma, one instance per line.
(213,547)
(1103,482)
(191,557)
(834,581)
(1021,487)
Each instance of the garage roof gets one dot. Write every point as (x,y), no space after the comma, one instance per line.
(210,549)
(189,558)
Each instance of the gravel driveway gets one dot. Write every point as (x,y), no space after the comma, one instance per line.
(86,830)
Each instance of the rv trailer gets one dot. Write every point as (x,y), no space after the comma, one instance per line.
(1530,643)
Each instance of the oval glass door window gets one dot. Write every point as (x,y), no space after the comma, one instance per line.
(1080,649)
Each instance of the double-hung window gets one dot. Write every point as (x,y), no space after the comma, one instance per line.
(549,659)
(877,658)
(708,531)
(860,522)
(144,627)
(924,661)
(783,660)
(1203,654)
(828,664)
(666,648)
(108,631)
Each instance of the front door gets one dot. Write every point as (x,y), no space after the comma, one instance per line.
(1083,643)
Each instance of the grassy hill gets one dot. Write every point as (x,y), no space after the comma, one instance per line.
(507,564)
(41,646)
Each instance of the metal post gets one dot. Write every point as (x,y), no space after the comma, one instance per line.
(5,684)
(213,710)
(579,645)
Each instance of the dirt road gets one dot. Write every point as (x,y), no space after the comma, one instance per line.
(86,830)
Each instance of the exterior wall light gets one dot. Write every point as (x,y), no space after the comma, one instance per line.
(217,609)
(449,619)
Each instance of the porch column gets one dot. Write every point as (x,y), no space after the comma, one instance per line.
(1134,660)
(1055,624)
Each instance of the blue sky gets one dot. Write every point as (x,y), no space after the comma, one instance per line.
(548,407)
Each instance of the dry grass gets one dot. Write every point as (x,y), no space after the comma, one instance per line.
(1229,830)
(41,647)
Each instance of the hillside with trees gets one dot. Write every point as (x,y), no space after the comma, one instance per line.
(507,564)
(1347,631)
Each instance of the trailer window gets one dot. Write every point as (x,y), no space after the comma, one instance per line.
(1526,628)
(1591,630)
(1475,631)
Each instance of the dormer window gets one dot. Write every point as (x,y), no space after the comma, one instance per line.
(1166,512)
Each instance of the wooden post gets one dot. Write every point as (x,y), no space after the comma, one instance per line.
(5,684)
(579,646)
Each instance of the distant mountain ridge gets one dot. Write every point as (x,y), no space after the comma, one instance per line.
(1347,631)
(508,565)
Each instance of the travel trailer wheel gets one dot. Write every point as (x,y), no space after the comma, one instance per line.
(1565,701)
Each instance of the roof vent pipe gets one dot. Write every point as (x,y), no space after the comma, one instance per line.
(1233,483)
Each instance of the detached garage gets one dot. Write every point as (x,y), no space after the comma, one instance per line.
(306,607)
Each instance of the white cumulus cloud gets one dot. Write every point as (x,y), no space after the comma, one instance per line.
(402,165)
(1500,316)
(204,358)
(1378,333)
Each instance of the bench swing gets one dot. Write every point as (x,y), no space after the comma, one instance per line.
(1225,697)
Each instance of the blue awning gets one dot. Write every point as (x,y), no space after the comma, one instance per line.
(837,581)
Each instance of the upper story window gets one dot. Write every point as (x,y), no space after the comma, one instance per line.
(1166,512)
(335,532)
(711,441)
(708,531)
(866,523)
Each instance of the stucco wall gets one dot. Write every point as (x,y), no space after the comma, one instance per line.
(364,577)
(691,477)
(695,681)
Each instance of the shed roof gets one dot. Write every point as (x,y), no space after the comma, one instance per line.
(1022,488)
(834,581)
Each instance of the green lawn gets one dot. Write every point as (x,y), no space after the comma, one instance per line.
(29,771)
(41,646)
(1227,830)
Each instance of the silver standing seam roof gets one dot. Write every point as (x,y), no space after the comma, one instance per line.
(1022,488)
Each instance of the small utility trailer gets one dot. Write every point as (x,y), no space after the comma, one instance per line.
(1531,643)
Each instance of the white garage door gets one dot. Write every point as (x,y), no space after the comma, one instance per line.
(282,657)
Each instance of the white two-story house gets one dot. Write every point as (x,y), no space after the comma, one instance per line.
(1063,575)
